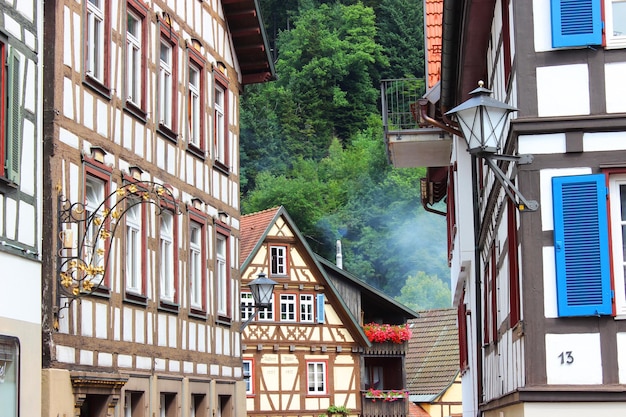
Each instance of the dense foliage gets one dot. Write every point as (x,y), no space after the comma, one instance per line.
(312,141)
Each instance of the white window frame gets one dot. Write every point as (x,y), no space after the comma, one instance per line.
(94,196)
(316,378)
(247,376)
(246,305)
(267,314)
(221,249)
(133,59)
(134,249)
(613,41)
(220,136)
(165,83)
(288,307)
(193,101)
(307,308)
(166,245)
(618,224)
(195,265)
(95,38)
(278,267)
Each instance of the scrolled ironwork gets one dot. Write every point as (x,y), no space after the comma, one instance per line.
(82,269)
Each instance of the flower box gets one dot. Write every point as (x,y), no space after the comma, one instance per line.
(380,333)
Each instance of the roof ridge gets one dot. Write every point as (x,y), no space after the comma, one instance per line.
(262,211)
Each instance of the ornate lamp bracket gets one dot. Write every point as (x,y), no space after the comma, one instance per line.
(82,261)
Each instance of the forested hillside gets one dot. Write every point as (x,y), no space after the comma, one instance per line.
(312,141)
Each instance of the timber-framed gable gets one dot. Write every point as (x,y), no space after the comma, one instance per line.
(308,352)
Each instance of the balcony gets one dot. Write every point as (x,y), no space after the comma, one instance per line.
(380,407)
(409,144)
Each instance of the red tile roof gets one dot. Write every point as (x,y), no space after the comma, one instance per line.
(433,17)
(252,228)
(417,411)
(432,360)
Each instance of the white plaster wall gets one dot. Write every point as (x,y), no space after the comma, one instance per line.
(542,25)
(615,87)
(573,359)
(27,281)
(553,143)
(604,141)
(563,90)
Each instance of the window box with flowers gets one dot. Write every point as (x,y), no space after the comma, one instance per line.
(388,396)
(380,333)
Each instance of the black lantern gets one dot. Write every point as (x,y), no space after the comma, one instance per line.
(482,120)
(262,288)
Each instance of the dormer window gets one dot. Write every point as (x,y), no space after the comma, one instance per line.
(278,260)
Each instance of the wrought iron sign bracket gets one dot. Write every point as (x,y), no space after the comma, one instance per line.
(82,262)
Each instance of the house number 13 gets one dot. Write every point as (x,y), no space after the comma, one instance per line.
(566,358)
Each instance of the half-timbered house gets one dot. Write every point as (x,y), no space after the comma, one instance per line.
(536,251)
(141,182)
(21,103)
(309,353)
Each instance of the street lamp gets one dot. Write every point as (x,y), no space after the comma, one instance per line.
(482,120)
(262,288)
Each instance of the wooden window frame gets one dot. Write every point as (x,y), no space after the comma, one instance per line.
(169,303)
(506,41)
(197,63)
(222,284)
(513,258)
(98,82)
(268,314)
(136,105)
(197,220)
(221,149)
(130,294)
(246,303)
(293,303)
(274,265)
(324,373)
(134,404)
(249,379)
(169,38)
(303,303)
(462,333)
(98,171)
(494,294)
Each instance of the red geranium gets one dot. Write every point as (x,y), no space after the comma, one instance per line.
(380,333)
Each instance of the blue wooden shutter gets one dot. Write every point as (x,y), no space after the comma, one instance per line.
(320,308)
(14,119)
(581,245)
(576,23)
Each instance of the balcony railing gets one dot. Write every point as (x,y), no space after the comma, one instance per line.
(408,144)
(399,102)
(378,407)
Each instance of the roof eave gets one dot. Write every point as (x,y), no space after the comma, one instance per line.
(249,40)
(466,29)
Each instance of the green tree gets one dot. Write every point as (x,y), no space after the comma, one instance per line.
(401,34)
(328,61)
(424,292)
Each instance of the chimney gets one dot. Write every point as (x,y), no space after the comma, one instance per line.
(339,255)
